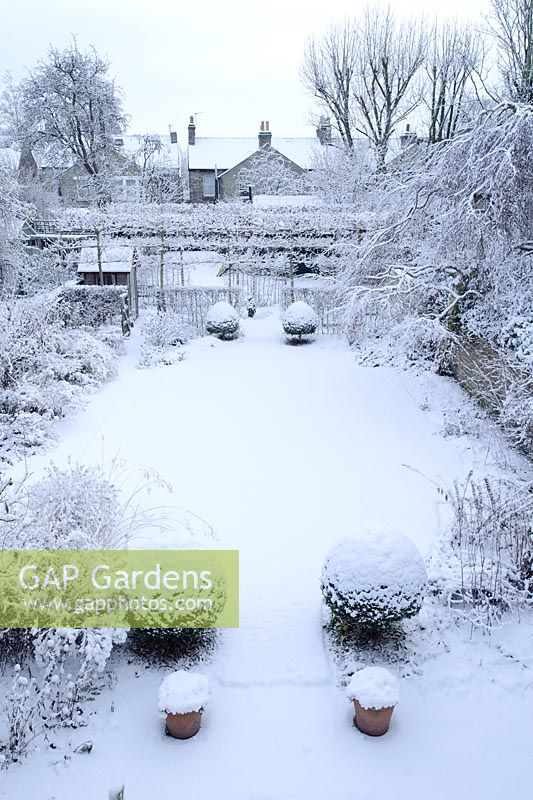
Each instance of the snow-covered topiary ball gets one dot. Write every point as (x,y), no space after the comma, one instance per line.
(374,687)
(222,320)
(299,319)
(182,692)
(374,579)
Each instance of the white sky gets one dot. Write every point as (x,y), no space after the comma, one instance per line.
(234,61)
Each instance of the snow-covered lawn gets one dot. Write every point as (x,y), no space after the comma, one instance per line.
(284,450)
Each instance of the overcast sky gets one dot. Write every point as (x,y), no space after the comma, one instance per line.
(231,62)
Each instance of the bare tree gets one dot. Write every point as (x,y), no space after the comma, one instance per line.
(511,24)
(72,110)
(327,73)
(160,174)
(455,74)
(11,113)
(341,175)
(390,54)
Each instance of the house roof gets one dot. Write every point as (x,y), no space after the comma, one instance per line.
(226,152)
(410,158)
(114,258)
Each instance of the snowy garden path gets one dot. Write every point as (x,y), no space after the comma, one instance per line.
(283,450)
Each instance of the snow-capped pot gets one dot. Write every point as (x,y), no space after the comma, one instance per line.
(222,320)
(374,687)
(299,320)
(182,698)
(375,692)
(375,579)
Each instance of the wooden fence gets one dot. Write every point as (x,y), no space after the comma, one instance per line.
(191,303)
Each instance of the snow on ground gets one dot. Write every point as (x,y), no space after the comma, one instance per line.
(285,450)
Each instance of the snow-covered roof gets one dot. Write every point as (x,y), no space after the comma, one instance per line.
(114,258)
(226,152)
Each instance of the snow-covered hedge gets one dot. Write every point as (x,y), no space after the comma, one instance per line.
(374,687)
(299,319)
(90,305)
(222,320)
(182,692)
(375,579)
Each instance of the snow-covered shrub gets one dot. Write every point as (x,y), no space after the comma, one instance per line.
(43,366)
(76,508)
(182,692)
(90,306)
(483,567)
(517,335)
(374,687)
(71,509)
(162,332)
(15,643)
(299,319)
(222,320)
(374,580)
(21,706)
(71,660)
(516,413)
(166,645)
(81,507)
(111,336)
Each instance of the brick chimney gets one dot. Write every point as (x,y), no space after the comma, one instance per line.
(192,131)
(323,130)
(265,135)
(408,138)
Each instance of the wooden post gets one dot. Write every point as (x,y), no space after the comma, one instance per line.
(161,303)
(291,277)
(181,267)
(99,259)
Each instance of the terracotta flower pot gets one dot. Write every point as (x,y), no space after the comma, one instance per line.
(372,721)
(184,726)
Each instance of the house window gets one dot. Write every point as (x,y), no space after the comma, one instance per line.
(209,186)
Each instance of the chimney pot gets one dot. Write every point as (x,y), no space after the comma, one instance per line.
(323,130)
(192,131)
(408,138)
(265,136)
